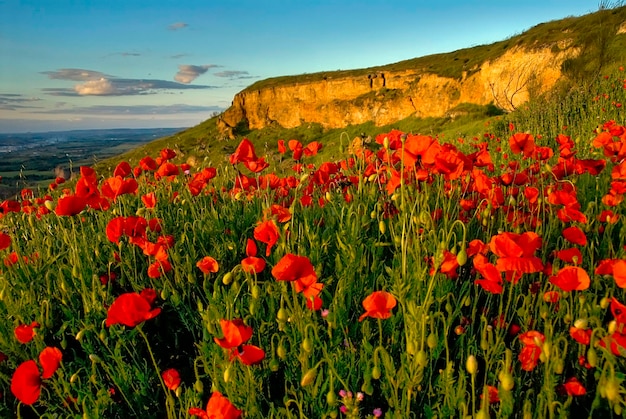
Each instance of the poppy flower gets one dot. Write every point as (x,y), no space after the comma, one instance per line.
(297,269)
(267,232)
(207,265)
(243,153)
(171,378)
(122,170)
(5,241)
(235,334)
(218,407)
(130,309)
(572,387)
(253,264)
(571,278)
(24,333)
(530,353)
(49,359)
(26,382)
(70,205)
(159,267)
(149,200)
(522,143)
(516,253)
(378,305)
(582,336)
(575,235)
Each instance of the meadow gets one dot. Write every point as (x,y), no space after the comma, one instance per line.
(412,276)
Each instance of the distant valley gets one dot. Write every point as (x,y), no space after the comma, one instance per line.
(34,159)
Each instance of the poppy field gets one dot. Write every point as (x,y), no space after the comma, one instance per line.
(413,276)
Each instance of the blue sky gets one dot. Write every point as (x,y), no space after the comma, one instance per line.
(78,64)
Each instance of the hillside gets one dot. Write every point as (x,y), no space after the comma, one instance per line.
(506,74)
(425,94)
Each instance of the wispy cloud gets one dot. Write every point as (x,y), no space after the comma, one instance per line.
(179,56)
(231,74)
(118,110)
(14,101)
(75,74)
(95,83)
(188,73)
(177,26)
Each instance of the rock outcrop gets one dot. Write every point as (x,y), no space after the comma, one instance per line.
(385,97)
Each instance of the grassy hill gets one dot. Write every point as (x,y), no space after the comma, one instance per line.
(603,49)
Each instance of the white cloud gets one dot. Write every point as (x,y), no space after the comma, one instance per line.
(188,73)
(232,74)
(74,74)
(102,87)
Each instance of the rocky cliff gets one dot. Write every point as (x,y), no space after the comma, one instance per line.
(388,96)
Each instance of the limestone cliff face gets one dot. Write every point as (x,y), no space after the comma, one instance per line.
(386,97)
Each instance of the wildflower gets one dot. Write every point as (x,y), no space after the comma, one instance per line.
(235,334)
(575,235)
(207,265)
(70,205)
(171,378)
(50,359)
(218,407)
(131,309)
(378,305)
(26,382)
(529,355)
(25,333)
(571,278)
(522,143)
(267,232)
(298,269)
(5,241)
(252,264)
(572,387)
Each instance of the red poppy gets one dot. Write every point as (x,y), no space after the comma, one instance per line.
(158,268)
(70,205)
(530,353)
(572,387)
(116,186)
(571,255)
(171,378)
(236,333)
(24,333)
(148,164)
(582,336)
(297,269)
(130,309)
(378,305)
(26,382)
(516,253)
(243,153)
(5,241)
(167,154)
(218,407)
(491,280)
(208,265)
(122,170)
(282,214)
(253,264)
(575,235)
(571,278)
(522,143)
(49,359)
(149,200)
(267,232)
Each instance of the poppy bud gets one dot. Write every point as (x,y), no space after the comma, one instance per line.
(227,375)
(331,398)
(198,386)
(255,291)
(282,315)
(274,365)
(506,381)
(281,352)
(421,358)
(432,341)
(461,257)
(227,278)
(382,227)
(580,324)
(376,372)
(471,365)
(592,356)
(309,377)
(307,345)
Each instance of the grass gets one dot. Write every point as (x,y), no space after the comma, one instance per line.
(485,311)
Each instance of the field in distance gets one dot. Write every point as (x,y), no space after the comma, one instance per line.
(33,159)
